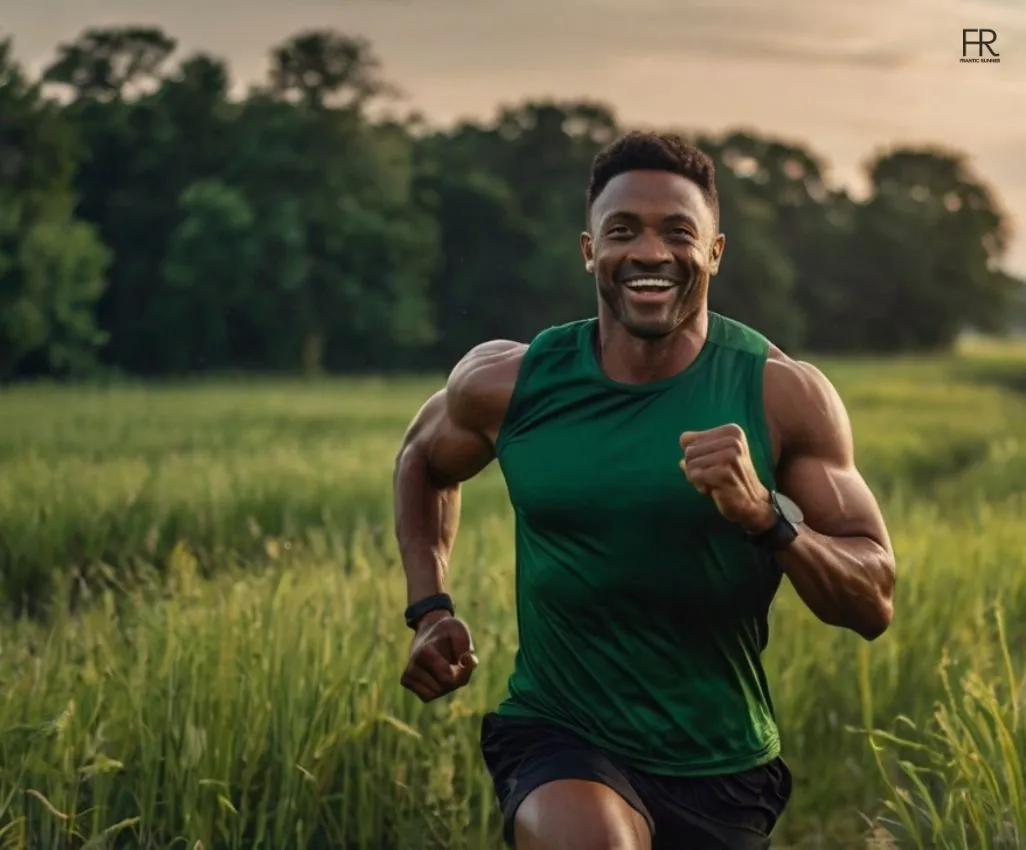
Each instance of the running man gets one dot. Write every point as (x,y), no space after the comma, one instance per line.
(667,466)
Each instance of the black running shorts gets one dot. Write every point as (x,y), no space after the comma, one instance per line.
(732,812)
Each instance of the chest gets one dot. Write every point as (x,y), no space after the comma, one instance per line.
(612,461)
(608,526)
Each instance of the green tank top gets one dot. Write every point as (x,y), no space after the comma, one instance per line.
(642,613)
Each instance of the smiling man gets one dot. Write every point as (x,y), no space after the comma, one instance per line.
(667,466)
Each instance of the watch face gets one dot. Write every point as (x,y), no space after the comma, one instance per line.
(792,513)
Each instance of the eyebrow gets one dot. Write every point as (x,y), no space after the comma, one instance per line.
(672,218)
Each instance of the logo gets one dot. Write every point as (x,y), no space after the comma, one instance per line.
(974,42)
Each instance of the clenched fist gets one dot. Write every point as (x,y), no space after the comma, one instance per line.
(718,463)
(441,658)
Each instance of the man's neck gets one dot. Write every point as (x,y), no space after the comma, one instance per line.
(632,360)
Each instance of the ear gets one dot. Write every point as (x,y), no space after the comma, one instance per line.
(716,253)
(588,252)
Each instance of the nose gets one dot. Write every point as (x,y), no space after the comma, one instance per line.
(649,249)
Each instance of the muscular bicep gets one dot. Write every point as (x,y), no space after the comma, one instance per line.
(817,463)
(834,497)
(450,450)
(453,434)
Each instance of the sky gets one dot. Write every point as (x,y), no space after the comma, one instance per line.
(845,78)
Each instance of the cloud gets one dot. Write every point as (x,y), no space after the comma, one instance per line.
(443,35)
(803,51)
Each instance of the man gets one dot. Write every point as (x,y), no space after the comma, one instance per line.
(667,466)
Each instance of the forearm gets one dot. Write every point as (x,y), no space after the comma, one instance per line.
(426,520)
(845,581)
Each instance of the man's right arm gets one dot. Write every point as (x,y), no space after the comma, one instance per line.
(450,440)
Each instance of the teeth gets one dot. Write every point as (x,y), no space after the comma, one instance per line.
(651,283)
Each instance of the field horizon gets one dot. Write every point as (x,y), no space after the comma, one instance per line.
(202,633)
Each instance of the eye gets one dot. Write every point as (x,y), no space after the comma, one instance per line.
(618,230)
(681,232)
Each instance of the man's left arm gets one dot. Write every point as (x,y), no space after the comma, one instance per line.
(841,563)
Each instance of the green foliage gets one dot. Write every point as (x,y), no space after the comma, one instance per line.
(52,266)
(62,267)
(216,240)
(303,227)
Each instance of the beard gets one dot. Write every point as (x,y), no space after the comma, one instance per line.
(658,315)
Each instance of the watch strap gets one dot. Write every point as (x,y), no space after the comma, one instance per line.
(778,536)
(434,602)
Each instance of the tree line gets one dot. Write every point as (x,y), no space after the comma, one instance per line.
(153,224)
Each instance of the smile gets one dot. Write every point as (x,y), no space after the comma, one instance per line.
(651,291)
(650,284)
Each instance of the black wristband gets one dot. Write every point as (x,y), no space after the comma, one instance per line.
(777,537)
(435,602)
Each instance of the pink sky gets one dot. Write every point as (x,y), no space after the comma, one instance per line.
(844,78)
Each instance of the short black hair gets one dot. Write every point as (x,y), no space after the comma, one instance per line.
(649,151)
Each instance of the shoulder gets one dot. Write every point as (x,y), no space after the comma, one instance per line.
(804,410)
(728,333)
(480,385)
(486,363)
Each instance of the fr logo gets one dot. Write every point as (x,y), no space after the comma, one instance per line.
(974,41)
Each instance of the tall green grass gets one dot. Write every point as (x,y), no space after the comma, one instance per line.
(216,654)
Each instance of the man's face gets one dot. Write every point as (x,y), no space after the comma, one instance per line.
(654,247)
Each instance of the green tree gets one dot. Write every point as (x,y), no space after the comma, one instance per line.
(509,198)
(757,279)
(209,272)
(924,256)
(51,265)
(292,230)
(142,148)
(322,68)
(358,249)
(110,63)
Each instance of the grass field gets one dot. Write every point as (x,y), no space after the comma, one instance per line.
(216,637)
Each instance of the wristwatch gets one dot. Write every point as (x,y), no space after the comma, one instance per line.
(435,602)
(784,530)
